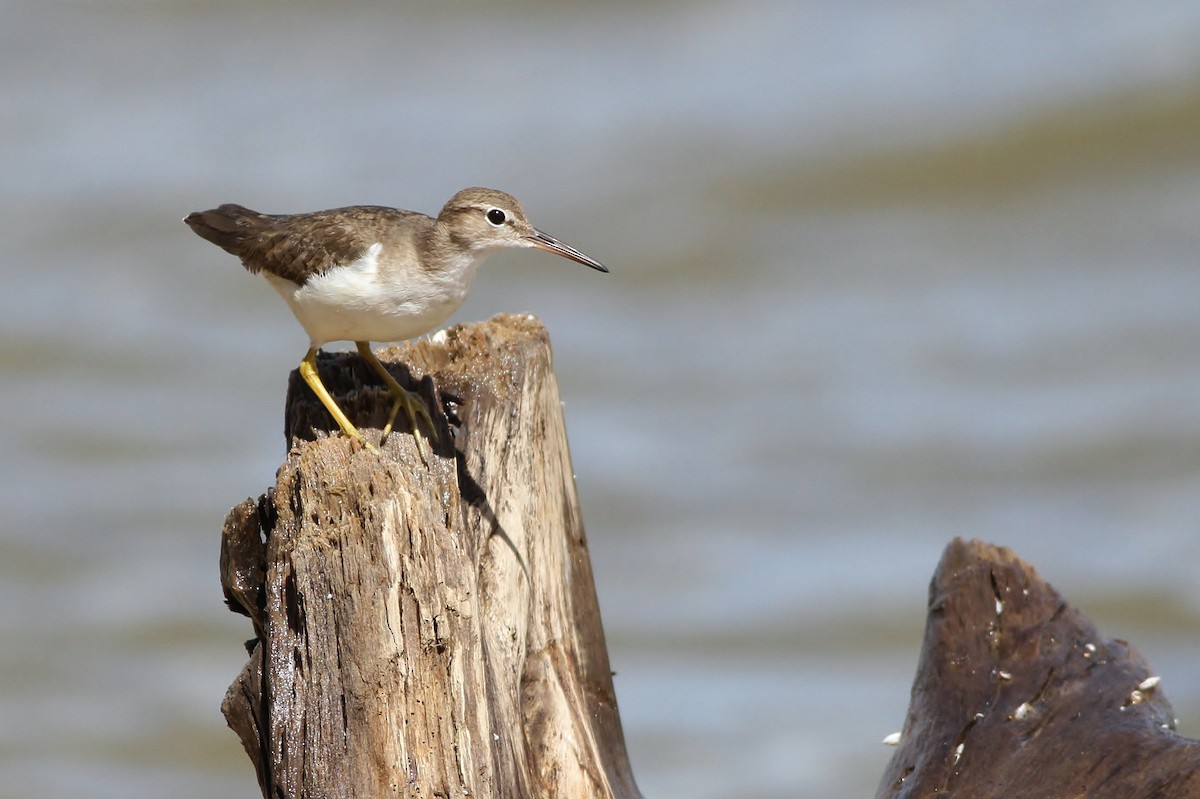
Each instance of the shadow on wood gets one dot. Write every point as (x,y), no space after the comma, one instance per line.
(1017,696)
(426,629)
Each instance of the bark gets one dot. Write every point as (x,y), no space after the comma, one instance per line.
(1018,696)
(426,629)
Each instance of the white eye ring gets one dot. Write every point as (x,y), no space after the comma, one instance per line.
(496,217)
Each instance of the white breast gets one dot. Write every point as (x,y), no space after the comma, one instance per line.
(364,302)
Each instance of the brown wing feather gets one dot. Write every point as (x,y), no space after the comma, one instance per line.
(299,246)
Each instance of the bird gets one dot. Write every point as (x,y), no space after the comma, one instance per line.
(368,273)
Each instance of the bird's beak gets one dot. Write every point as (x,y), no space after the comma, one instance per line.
(551,244)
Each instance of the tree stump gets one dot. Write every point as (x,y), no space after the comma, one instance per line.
(1017,696)
(426,629)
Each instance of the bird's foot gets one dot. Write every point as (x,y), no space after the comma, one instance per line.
(415,410)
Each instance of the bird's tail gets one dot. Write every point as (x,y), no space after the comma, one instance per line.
(227,226)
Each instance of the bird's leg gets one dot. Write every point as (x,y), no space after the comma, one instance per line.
(308,370)
(412,404)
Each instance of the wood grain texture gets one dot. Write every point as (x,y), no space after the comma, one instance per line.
(1018,696)
(426,630)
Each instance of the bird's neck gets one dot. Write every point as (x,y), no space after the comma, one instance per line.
(450,253)
(448,257)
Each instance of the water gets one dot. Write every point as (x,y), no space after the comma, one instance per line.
(880,277)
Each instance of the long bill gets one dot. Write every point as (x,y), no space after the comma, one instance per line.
(551,244)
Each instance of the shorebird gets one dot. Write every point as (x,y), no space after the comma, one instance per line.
(369,273)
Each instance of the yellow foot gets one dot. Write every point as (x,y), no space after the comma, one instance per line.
(308,371)
(413,405)
(361,441)
(413,408)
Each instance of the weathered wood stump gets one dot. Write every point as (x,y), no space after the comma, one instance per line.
(1018,697)
(426,629)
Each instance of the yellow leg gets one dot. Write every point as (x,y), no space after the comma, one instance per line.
(308,370)
(410,402)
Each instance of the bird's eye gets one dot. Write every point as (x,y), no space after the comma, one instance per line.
(496,217)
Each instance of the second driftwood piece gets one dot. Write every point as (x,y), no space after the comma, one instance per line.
(427,629)
(1017,696)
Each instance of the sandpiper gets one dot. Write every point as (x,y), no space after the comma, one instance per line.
(369,273)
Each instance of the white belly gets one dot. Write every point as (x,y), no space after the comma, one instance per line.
(353,303)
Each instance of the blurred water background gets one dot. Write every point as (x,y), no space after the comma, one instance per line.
(883,274)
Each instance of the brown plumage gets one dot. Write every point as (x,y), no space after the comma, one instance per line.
(299,246)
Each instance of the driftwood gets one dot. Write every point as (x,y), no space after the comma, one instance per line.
(1017,696)
(426,629)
